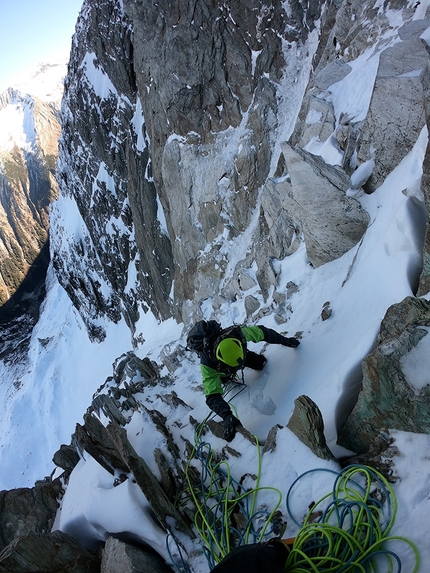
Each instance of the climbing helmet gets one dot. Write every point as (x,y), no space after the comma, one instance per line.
(231,352)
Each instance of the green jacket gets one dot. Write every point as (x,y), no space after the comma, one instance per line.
(211,378)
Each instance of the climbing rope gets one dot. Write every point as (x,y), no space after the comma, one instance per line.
(347,531)
(234,384)
(227,514)
(179,564)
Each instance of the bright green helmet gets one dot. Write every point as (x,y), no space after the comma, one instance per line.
(230,351)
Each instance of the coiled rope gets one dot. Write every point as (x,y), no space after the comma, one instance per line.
(347,531)
(227,514)
(352,531)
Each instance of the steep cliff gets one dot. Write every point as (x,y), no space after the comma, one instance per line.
(170,121)
(30,130)
(173,120)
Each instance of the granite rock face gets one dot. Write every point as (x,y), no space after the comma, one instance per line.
(174,140)
(388,399)
(27,542)
(169,124)
(28,510)
(398,80)
(386,133)
(49,552)
(331,222)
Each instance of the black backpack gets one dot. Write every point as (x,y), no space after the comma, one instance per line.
(269,557)
(205,336)
(202,334)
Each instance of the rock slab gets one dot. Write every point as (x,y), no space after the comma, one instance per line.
(120,557)
(47,553)
(388,400)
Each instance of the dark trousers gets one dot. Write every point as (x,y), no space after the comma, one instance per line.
(254,360)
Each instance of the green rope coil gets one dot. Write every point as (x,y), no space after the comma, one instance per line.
(351,534)
(219,499)
(346,531)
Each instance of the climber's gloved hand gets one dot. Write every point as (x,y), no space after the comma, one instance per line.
(230,424)
(291,342)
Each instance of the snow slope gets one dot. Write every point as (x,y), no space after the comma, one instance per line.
(360,286)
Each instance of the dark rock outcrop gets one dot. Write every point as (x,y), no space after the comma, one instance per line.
(26,543)
(381,455)
(66,457)
(104,138)
(121,557)
(307,424)
(47,553)
(94,438)
(162,507)
(387,399)
(28,510)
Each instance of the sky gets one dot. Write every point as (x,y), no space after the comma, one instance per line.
(33,32)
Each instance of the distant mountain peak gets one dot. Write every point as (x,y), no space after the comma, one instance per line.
(44,82)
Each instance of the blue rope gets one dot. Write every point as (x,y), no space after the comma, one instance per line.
(218,497)
(352,530)
(182,566)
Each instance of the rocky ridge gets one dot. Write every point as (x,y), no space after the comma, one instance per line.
(28,514)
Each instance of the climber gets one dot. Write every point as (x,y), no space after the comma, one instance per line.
(223,352)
